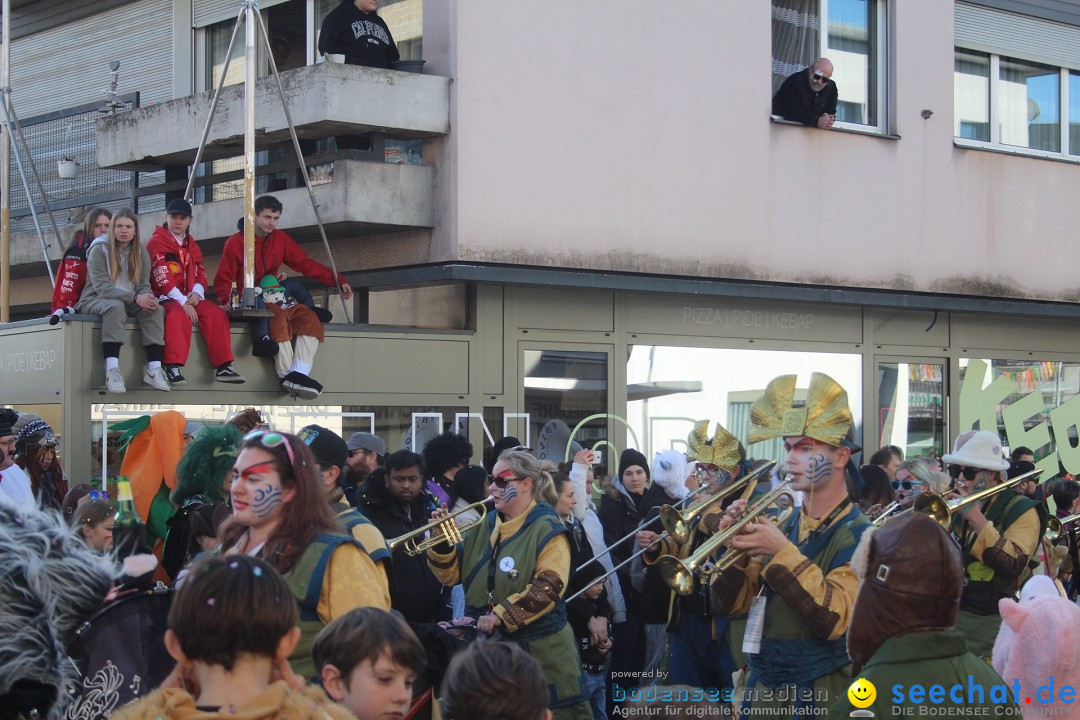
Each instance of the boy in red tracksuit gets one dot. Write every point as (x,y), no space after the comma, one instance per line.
(178,277)
(273,248)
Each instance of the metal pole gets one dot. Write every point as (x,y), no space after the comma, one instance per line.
(26,188)
(213,108)
(5,170)
(37,181)
(303,166)
(249,153)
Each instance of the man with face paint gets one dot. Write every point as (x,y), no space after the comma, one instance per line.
(998,535)
(796,580)
(700,655)
(14,484)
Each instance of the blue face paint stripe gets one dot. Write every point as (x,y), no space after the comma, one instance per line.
(266,499)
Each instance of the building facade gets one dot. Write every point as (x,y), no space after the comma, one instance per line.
(583,221)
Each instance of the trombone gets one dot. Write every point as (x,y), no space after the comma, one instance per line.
(444,529)
(886,513)
(679,524)
(679,574)
(692,514)
(1056,526)
(943,510)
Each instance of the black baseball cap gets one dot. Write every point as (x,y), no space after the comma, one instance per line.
(326,445)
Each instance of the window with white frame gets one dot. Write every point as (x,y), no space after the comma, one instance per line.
(851,34)
(1016,104)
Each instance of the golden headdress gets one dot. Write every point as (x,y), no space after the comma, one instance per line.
(825,416)
(722,450)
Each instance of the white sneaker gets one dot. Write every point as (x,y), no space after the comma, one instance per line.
(156,378)
(114,381)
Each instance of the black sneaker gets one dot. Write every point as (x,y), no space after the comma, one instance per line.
(302,386)
(226,374)
(172,373)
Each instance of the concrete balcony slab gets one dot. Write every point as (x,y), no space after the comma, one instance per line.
(325,100)
(364,198)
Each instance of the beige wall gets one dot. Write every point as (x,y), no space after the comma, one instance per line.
(633,136)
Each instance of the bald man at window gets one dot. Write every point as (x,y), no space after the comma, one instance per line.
(809,96)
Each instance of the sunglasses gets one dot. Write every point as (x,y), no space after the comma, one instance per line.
(98,495)
(906,484)
(502,482)
(271,440)
(969,472)
(819,77)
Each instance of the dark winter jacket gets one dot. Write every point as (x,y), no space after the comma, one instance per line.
(414,590)
(621,513)
(580,611)
(363,38)
(796,101)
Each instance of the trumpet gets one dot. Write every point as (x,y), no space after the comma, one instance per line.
(1056,526)
(679,524)
(943,510)
(679,574)
(445,529)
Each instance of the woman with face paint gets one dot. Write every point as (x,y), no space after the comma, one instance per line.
(280,515)
(515,567)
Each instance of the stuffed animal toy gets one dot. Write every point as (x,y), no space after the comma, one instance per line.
(1039,640)
(292,321)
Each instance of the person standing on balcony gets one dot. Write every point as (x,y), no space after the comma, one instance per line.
(179,279)
(273,248)
(353,29)
(808,96)
(118,286)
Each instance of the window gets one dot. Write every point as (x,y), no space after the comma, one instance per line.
(1016,104)
(850,33)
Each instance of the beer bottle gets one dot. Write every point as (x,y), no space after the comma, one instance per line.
(234,297)
(129,533)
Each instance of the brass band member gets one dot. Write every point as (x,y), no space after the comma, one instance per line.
(699,652)
(798,582)
(998,536)
(515,566)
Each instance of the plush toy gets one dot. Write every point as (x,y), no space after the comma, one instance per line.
(292,321)
(1039,645)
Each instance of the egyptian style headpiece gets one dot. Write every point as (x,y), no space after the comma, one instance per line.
(722,450)
(825,416)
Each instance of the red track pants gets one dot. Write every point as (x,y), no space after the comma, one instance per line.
(214,324)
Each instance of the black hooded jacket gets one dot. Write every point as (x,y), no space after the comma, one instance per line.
(414,591)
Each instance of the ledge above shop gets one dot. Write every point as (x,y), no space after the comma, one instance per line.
(324,100)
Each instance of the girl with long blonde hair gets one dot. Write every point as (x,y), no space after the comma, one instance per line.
(118,286)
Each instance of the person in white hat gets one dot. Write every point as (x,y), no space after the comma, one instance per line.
(997,535)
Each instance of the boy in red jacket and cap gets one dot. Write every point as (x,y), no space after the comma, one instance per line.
(178,277)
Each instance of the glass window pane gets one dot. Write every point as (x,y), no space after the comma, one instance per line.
(670,388)
(562,388)
(910,408)
(1043,386)
(795,38)
(217,42)
(1074,113)
(852,50)
(971,93)
(1029,105)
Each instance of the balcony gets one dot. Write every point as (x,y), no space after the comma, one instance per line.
(324,100)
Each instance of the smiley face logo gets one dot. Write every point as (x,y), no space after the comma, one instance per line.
(862,693)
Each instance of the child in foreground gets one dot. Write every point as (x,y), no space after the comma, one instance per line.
(368,660)
(493,680)
(231,627)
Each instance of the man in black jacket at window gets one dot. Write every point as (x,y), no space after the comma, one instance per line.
(809,96)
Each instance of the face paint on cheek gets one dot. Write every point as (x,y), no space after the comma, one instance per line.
(265,499)
(820,468)
(509,493)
